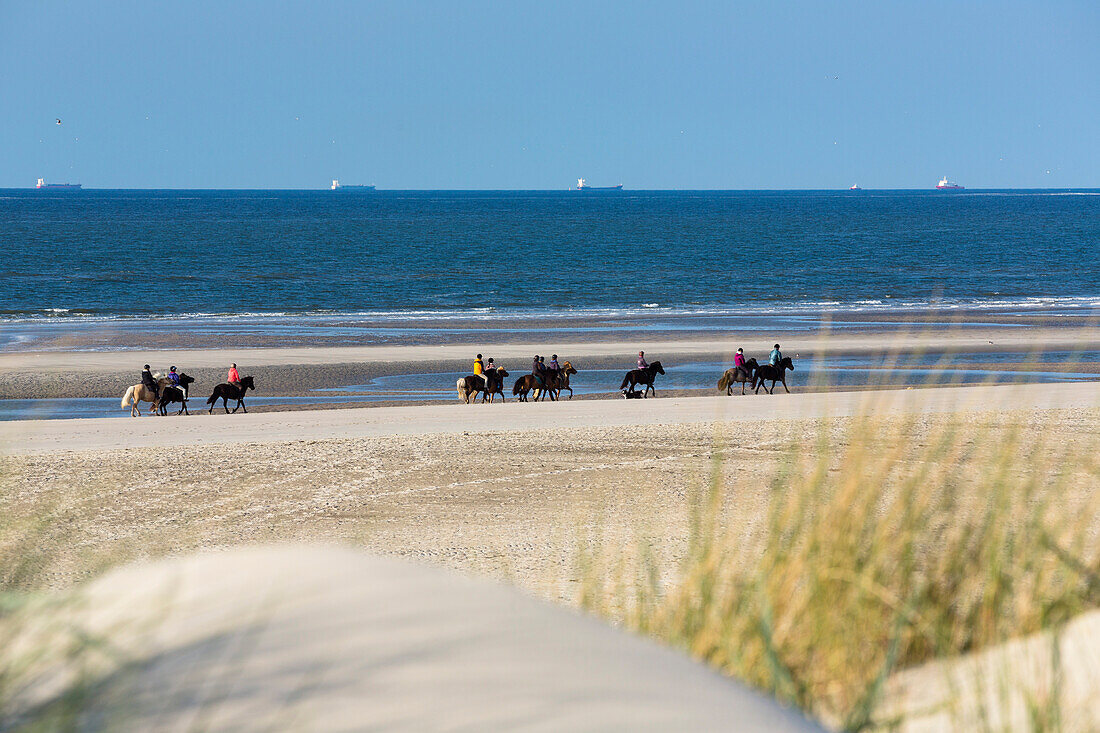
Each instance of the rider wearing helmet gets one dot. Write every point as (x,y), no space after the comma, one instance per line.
(151,383)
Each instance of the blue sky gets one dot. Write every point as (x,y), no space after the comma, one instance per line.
(411,94)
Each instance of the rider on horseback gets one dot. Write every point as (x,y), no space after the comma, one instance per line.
(149,382)
(174,378)
(554,369)
(642,364)
(234,377)
(538,370)
(776,356)
(739,363)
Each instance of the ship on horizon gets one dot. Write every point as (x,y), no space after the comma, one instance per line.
(854,187)
(946,185)
(350,188)
(42,185)
(582,185)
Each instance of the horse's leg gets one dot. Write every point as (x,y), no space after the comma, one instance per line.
(240,404)
(784,380)
(225,403)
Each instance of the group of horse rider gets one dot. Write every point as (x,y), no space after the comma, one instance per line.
(542,371)
(173,378)
(739,358)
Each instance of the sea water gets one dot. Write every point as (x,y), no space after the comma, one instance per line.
(279,261)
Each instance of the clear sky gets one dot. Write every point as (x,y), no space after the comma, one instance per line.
(528,95)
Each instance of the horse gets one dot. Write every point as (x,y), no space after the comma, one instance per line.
(226,392)
(560,381)
(469,386)
(170,393)
(740,374)
(139,393)
(529,382)
(774,373)
(643,376)
(494,385)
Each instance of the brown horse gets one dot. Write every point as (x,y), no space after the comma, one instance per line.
(742,374)
(642,376)
(494,385)
(226,392)
(560,381)
(525,384)
(469,386)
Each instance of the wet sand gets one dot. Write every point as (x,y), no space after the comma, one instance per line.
(296,371)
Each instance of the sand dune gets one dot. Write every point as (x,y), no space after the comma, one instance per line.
(326,639)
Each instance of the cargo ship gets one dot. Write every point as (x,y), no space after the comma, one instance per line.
(337,186)
(583,186)
(57,186)
(946,185)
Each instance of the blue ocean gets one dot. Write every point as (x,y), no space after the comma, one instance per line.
(106,255)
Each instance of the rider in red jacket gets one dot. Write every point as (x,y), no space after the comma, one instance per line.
(234,377)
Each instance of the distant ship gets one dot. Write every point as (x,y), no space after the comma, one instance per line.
(57,186)
(337,186)
(854,187)
(946,185)
(582,186)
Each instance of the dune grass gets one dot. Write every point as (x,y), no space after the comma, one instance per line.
(891,542)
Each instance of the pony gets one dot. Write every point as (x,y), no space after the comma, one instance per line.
(469,386)
(773,373)
(528,382)
(559,381)
(494,385)
(170,393)
(139,393)
(643,376)
(740,374)
(226,392)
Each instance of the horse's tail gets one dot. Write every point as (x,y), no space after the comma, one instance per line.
(127,397)
(625,380)
(214,397)
(724,382)
(460,385)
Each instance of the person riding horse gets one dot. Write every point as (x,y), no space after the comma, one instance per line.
(149,382)
(538,371)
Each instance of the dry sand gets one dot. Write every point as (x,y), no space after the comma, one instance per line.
(508,491)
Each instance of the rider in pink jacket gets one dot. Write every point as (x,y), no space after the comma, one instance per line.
(234,377)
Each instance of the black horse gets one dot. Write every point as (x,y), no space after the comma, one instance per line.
(226,392)
(171,393)
(742,374)
(643,376)
(494,384)
(773,373)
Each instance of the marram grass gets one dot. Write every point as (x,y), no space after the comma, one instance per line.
(904,540)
